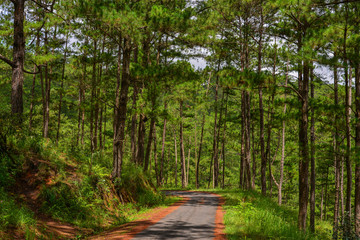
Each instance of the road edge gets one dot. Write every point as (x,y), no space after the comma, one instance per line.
(129,230)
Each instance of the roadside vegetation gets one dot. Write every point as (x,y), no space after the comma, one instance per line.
(252,216)
(41,182)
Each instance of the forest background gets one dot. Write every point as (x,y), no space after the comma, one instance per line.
(110,84)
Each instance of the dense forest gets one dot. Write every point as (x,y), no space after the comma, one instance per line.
(260,95)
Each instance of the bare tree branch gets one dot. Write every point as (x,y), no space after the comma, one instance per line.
(8,61)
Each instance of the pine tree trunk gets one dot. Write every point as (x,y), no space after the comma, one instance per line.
(133,125)
(176,161)
(312,160)
(182,152)
(357,148)
(303,148)
(121,106)
(163,149)
(61,91)
(141,140)
(46,95)
(17,79)
(201,140)
(94,103)
(148,146)
(188,164)
(348,127)
(215,136)
(33,84)
(223,143)
(282,161)
(336,156)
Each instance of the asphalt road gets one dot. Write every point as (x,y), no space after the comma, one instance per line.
(193,220)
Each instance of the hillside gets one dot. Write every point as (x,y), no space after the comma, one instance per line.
(48,194)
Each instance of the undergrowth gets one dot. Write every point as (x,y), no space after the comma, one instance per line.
(249,215)
(12,215)
(75,187)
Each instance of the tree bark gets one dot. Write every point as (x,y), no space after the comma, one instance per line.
(61,90)
(176,161)
(215,136)
(336,155)
(303,147)
(261,109)
(312,159)
(17,79)
(121,106)
(148,146)
(163,149)
(282,161)
(182,152)
(223,142)
(46,100)
(357,148)
(201,140)
(33,84)
(141,141)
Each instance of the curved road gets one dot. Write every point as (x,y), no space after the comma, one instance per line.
(193,220)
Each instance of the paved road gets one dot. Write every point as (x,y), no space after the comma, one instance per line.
(193,220)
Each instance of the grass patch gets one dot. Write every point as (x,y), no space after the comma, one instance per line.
(249,215)
(12,215)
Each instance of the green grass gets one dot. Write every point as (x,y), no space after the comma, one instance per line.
(13,215)
(249,215)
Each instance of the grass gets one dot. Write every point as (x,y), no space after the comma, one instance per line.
(249,215)
(13,215)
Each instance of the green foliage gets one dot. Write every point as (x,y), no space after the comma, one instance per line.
(252,216)
(12,214)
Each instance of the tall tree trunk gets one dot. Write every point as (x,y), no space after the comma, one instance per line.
(357,147)
(282,161)
(182,152)
(61,90)
(261,109)
(156,165)
(33,84)
(163,149)
(141,140)
(46,95)
(188,164)
(17,79)
(223,143)
(336,156)
(176,161)
(312,159)
(94,103)
(99,97)
(133,125)
(303,147)
(121,106)
(348,128)
(134,116)
(326,193)
(215,136)
(201,139)
(148,146)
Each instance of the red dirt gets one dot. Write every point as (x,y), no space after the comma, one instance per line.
(219,220)
(129,230)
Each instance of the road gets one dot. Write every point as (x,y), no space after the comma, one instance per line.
(193,220)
